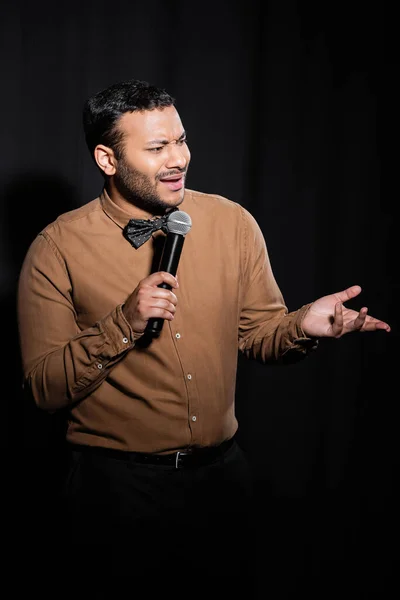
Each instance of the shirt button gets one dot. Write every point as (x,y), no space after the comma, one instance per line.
(194,418)
(99,366)
(125,340)
(189,376)
(178,335)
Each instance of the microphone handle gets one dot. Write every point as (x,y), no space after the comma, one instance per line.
(169,262)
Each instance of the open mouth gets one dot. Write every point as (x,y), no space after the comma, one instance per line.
(173,183)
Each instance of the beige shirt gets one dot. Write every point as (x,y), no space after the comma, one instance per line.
(78,350)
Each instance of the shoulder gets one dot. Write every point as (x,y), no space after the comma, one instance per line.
(77,217)
(218,206)
(214,204)
(207,201)
(67,230)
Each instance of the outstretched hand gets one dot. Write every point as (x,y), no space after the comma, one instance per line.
(328,317)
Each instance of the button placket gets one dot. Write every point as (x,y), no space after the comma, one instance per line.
(189,377)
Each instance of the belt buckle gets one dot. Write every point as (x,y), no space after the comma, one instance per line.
(177,458)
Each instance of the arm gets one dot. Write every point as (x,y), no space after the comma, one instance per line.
(268,332)
(62,364)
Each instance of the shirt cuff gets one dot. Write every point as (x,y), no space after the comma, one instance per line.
(300,341)
(118,332)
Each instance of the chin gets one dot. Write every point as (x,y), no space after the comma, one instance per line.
(175,200)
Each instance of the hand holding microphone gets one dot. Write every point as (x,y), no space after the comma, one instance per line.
(178,225)
(153,300)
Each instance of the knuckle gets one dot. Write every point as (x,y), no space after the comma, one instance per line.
(140,305)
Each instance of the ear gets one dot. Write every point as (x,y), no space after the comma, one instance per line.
(105,159)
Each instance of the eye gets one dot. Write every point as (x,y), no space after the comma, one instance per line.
(156,150)
(182,141)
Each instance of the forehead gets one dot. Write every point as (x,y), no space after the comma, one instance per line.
(148,125)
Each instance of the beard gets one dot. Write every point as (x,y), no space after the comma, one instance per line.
(137,188)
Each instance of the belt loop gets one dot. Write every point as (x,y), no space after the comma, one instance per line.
(176,460)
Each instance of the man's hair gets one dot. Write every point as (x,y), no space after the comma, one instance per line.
(102,111)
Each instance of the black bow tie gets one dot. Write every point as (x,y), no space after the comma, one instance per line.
(138,231)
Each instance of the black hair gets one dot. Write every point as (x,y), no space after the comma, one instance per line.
(102,111)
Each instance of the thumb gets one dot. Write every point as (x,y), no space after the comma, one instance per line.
(349,293)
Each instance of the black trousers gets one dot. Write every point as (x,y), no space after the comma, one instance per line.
(138,530)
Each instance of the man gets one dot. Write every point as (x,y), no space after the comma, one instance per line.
(158,488)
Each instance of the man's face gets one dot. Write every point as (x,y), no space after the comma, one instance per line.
(152,170)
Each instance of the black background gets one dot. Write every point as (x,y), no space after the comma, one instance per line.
(289,110)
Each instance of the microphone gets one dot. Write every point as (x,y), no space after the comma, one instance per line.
(178,225)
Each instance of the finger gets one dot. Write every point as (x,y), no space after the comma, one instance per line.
(163,304)
(149,298)
(360,319)
(337,325)
(160,313)
(349,293)
(156,308)
(161,277)
(382,325)
(371,324)
(166,294)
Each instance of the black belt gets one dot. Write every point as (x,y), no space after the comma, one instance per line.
(191,457)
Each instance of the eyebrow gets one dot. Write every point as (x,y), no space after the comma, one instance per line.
(164,142)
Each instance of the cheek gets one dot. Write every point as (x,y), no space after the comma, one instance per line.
(143,162)
(150,166)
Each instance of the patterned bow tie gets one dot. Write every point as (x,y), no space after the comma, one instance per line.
(138,231)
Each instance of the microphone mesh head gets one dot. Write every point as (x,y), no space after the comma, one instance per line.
(179,222)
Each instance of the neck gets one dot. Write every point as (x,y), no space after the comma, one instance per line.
(133,210)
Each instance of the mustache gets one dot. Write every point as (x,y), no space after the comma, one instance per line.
(178,172)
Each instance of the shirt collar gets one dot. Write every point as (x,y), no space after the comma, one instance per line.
(118,215)
(114,212)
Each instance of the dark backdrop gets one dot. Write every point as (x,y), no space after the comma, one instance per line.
(285,105)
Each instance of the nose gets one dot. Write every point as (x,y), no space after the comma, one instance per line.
(178,156)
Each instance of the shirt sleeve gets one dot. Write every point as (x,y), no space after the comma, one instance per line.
(62,364)
(268,332)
